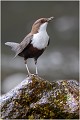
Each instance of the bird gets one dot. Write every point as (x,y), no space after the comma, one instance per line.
(34,44)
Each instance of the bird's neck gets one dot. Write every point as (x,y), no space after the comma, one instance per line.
(41,28)
(39,31)
(42,31)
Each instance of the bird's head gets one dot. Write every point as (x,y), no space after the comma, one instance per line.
(40,24)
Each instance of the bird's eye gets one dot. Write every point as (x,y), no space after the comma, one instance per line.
(43,21)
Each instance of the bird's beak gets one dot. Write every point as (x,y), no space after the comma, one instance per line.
(49,19)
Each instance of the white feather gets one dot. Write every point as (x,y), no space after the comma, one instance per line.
(40,40)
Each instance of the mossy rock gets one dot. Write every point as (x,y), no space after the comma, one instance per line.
(36,98)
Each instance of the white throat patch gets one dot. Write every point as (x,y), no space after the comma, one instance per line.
(40,39)
(43,27)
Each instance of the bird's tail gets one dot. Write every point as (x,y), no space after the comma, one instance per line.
(13,45)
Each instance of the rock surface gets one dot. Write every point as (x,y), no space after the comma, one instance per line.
(36,98)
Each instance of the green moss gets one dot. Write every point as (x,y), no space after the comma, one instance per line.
(36,98)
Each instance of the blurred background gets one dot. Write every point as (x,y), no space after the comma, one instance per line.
(61,58)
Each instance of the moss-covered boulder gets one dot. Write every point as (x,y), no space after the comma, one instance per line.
(36,98)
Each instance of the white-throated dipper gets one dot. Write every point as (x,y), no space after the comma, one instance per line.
(34,44)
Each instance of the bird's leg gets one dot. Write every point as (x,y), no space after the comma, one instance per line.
(27,68)
(35,60)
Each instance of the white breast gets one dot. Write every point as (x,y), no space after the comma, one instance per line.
(40,40)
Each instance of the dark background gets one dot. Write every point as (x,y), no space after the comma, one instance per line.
(60,60)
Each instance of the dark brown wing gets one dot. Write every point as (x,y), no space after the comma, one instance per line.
(23,44)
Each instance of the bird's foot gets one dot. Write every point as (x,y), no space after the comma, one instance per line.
(30,75)
(36,74)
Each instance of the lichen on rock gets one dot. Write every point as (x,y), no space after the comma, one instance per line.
(36,98)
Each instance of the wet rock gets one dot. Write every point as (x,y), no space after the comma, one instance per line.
(36,98)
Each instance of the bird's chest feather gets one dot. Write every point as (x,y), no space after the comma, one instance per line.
(40,40)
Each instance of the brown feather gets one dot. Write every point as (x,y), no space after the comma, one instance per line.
(24,44)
